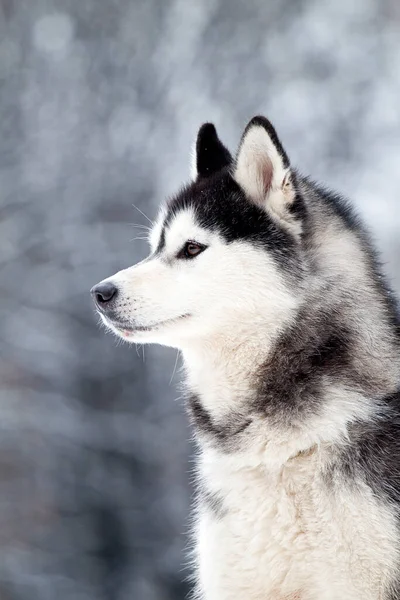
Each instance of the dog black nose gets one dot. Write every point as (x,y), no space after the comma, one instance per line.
(103,293)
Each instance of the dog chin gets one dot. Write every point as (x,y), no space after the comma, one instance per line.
(141,333)
(126,332)
(131,337)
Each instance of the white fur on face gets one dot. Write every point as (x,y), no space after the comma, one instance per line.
(155,231)
(225,285)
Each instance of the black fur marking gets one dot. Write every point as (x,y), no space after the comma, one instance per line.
(289,382)
(366,457)
(213,502)
(211,154)
(224,433)
(297,208)
(394,592)
(318,348)
(220,204)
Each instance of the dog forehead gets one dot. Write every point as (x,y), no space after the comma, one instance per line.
(176,226)
(182,226)
(183,218)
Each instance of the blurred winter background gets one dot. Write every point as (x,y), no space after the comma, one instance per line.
(99,104)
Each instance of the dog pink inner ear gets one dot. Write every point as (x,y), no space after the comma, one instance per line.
(266,173)
(257,178)
(261,162)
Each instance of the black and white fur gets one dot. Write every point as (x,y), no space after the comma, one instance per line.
(269,286)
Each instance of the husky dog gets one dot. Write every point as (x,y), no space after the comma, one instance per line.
(269,286)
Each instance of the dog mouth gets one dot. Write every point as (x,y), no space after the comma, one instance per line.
(128,329)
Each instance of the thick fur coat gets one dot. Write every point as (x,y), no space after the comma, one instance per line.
(269,286)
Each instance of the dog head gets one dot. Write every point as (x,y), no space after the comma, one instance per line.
(226,251)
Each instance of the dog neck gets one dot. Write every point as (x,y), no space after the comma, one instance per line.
(225,373)
(222,368)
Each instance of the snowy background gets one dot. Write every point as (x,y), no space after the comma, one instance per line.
(99,103)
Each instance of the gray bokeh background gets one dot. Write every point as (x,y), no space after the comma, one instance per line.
(99,103)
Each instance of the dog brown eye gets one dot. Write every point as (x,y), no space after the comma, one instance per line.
(191,249)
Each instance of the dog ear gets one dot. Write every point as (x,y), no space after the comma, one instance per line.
(263,171)
(210,155)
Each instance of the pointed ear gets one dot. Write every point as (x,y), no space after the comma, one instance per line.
(210,154)
(263,171)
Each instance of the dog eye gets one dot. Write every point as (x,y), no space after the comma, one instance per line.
(191,249)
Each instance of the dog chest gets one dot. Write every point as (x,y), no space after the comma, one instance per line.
(285,534)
